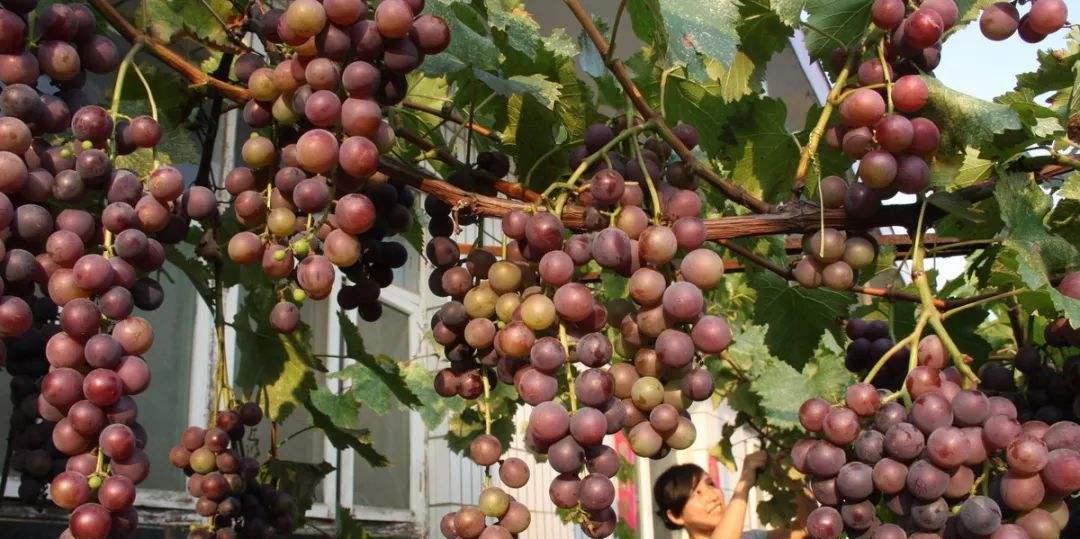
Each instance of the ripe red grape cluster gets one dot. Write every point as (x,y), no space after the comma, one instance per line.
(880,128)
(530,319)
(511,517)
(832,257)
(82,233)
(225,482)
(928,463)
(1000,20)
(320,202)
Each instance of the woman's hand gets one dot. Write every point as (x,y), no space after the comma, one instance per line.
(754,462)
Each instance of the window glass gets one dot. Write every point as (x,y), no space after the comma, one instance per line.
(163,408)
(386,487)
(408,276)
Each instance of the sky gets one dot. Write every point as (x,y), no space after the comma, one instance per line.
(986,69)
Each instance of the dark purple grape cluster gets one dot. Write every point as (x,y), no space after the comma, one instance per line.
(320,203)
(870,341)
(955,463)
(225,481)
(531,319)
(67,47)
(1000,20)
(511,517)
(33,456)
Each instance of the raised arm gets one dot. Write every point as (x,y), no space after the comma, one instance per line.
(731,524)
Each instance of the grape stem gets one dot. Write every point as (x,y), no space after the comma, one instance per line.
(118,88)
(99,469)
(565,341)
(487,401)
(843,96)
(885,72)
(619,70)
(615,28)
(810,150)
(653,196)
(222,386)
(922,283)
(560,201)
(895,348)
(982,300)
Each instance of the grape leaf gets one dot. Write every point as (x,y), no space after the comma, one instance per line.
(834,23)
(164,19)
(349,527)
(685,31)
(528,137)
(545,91)
(956,172)
(281,363)
(797,318)
(375,378)
(471,46)
(1055,70)
(788,11)
(762,32)
(735,82)
(1070,188)
(1043,121)
(965,120)
(1038,253)
(767,154)
(433,408)
(783,389)
(342,436)
(300,479)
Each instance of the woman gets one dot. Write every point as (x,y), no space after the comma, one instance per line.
(686,498)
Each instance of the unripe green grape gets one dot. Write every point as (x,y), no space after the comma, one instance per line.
(298,295)
(538,312)
(301,247)
(859,252)
(494,502)
(647,393)
(506,305)
(481,301)
(504,276)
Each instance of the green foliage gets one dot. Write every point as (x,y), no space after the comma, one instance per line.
(832,23)
(796,318)
(970,121)
(685,31)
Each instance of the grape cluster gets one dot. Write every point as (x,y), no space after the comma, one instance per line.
(531,318)
(927,463)
(81,234)
(320,203)
(833,257)
(33,455)
(879,126)
(1000,20)
(225,482)
(511,517)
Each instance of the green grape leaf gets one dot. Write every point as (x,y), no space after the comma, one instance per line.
(951,172)
(471,46)
(375,378)
(788,11)
(1055,70)
(735,82)
(341,434)
(545,91)
(767,154)
(1038,253)
(797,318)
(783,389)
(300,479)
(433,408)
(1070,188)
(1042,121)
(686,32)
(529,137)
(834,23)
(283,364)
(165,19)
(762,32)
(965,120)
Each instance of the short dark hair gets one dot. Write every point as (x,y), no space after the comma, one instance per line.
(672,490)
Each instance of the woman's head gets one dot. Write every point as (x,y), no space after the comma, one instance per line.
(687,498)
